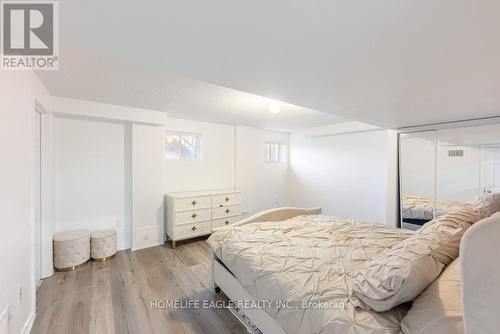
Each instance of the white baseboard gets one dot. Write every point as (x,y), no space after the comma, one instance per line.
(146,244)
(29,323)
(123,245)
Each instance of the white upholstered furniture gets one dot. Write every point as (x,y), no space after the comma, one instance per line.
(103,245)
(480,271)
(193,214)
(71,249)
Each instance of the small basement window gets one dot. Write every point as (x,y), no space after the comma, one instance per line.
(182,146)
(275,152)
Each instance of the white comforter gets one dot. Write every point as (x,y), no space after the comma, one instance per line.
(305,260)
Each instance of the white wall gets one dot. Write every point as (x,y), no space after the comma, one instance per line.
(18,90)
(264,184)
(109,170)
(215,170)
(92,172)
(347,175)
(148,171)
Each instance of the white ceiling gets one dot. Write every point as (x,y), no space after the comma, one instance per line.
(388,63)
(110,82)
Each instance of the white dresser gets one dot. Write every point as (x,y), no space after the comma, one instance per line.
(193,214)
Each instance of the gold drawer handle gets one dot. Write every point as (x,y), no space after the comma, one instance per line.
(194,202)
(227,210)
(194,215)
(227,199)
(193,228)
(227,222)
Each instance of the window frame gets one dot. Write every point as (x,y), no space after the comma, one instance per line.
(198,140)
(282,152)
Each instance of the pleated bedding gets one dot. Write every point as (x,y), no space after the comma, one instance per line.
(310,262)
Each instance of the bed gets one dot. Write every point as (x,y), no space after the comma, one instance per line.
(418,210)
(308,260)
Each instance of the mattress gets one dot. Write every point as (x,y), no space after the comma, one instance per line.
(304,268)
(416,207)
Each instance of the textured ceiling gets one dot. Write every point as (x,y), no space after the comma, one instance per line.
(128,85)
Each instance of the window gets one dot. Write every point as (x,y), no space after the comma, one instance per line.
(276,152)
(181,145)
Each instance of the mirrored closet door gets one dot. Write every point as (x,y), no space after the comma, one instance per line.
(417,163)
(445,170)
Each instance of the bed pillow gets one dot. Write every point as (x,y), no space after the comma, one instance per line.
(401,273)
(438,310)
(487,204)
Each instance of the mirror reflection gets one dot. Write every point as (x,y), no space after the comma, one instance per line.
(443,171)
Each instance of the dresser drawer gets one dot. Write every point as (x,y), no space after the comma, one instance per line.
(227,199)
(225,221)
(187,231)
(192,216)
(192,203)
(226,211)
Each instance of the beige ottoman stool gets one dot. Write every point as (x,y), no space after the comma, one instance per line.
(71,249)
(103,245)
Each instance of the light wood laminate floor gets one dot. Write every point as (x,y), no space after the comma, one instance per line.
(115,297)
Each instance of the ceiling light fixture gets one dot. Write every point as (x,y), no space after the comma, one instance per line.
(274,107)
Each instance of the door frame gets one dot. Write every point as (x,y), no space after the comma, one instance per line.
(46,198)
